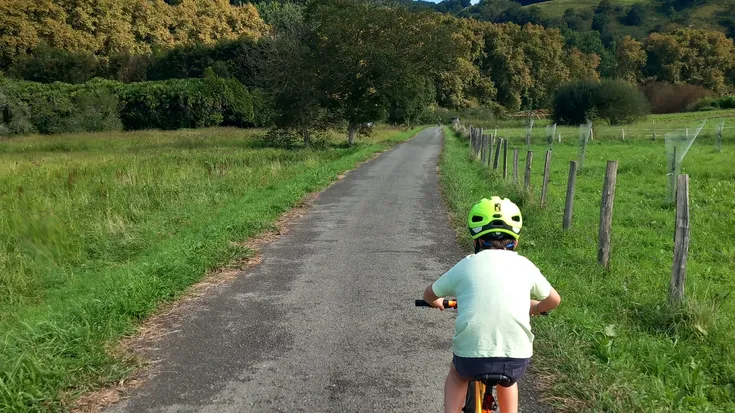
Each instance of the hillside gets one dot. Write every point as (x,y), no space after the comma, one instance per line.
(614,19)
(651,15)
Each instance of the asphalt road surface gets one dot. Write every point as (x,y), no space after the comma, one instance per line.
(327,323)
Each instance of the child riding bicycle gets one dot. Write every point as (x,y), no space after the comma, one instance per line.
(493,288)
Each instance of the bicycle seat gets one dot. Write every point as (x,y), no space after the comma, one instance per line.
(494,379)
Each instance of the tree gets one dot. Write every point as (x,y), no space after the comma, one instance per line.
(411,99)
(636,15)
(286,68)
(631,58)
(365,53)
(692,56)
(106,28)
(530,62)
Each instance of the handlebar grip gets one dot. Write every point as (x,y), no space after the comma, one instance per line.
(447,303)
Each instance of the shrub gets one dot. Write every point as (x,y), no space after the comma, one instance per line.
(726,102)
(707,103)
(574,103)
(14,116)
(665,97)
(60,107)
(185,103)
(619,102)
(614,101)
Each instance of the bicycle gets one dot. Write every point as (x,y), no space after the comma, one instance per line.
(480,391)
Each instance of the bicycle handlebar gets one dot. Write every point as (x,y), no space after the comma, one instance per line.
(447,303)
(452,304)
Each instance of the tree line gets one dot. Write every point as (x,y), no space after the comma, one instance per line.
(326,63)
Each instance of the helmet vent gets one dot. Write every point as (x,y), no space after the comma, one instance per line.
(497,216)
(516,218)
(477,218)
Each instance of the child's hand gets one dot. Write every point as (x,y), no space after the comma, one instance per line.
(438,303)
(533,311)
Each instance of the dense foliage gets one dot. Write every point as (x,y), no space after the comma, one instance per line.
(612,101)
(107,105)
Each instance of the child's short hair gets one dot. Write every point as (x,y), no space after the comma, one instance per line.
(495,241)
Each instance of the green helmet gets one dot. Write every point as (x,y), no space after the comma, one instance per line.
(495,215)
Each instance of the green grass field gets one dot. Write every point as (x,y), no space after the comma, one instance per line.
(96,231)
(642,130)
(615,345)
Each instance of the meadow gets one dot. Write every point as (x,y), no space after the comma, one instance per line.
(616,344)
(98,230)
(644,129)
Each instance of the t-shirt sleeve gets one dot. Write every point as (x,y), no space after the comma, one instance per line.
(540,289)
(445,286)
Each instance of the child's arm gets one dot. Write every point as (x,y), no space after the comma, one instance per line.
(547,304)
(432,298)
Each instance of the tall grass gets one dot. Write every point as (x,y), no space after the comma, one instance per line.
(97,230)
(615,345)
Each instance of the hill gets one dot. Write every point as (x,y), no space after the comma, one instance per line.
(613,19)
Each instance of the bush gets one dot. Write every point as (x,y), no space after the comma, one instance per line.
(60,107)
(100,105)
(707,103)
(726,102)
(14,116)
(614,101)
(665,97)
(575,103)
(189,103)
(618,102)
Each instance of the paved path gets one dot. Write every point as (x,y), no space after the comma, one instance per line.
(326,323)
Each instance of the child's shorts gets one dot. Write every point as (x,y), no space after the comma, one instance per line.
(469,367)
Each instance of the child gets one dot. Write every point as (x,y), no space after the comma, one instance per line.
(492,332)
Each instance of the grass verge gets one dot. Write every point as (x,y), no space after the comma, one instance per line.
(615,345)
(97,231)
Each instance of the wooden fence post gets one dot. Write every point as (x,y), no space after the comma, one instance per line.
(569,203)
(681,240)
(515,166)
(497,154)
(527,175)
(490,149)
(545,186)
(606,211)
(505,159)
(482,144)
(482,151)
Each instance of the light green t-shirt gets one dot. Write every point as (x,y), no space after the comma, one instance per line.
(493,290)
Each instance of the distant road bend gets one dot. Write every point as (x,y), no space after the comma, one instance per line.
(326,323)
